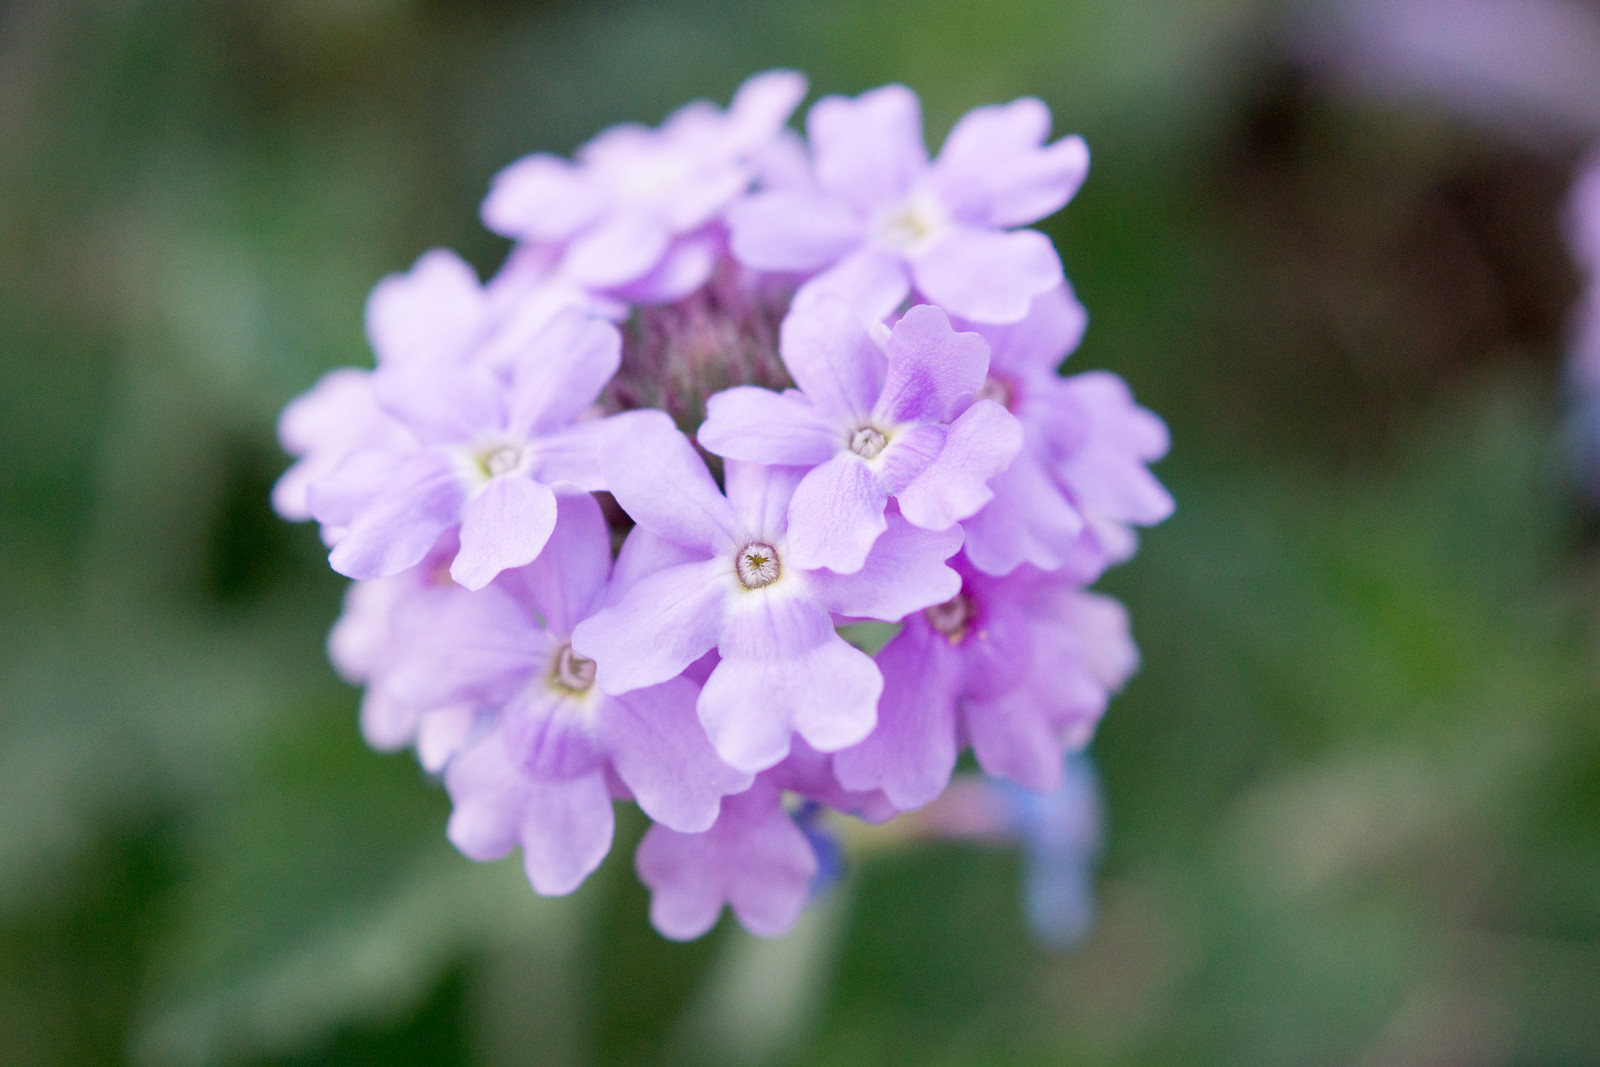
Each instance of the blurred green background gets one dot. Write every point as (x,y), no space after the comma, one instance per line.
(1354,794)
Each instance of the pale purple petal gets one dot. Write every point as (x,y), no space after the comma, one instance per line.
(766,427)
(995,171)
(399,528)
(433,313)
(561,372)
(566,831)
(665,622)
(1052,331)
(660,750)
(755,859)
(360,480)
(328,422)
(792,231)
(980,444)
(871,281)
(642,554)
(905,572)
(762,105)
(1028,521)
(835,515)
(662,483)
(541,198)
(985,275)
(485,789)
(479,648)
(911,752)
(910,451)
(760,495)
(1013,738)
(1108,474)
(387,724)
(572,455)
(564,584)
(441,404)
(868,150)
(442,733)
(550,731)
(784,669)
(829,353)
(505,525)
(623,247)
(932,368)
(685,266)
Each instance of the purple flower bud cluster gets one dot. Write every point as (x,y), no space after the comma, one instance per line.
(613,516)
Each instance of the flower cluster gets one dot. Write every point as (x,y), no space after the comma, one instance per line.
(616,518)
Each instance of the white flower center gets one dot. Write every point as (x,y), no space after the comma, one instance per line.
(502,460)
(757,565)
(951,618)
(1000,389)
(868,442)
(572,672)
(911,224)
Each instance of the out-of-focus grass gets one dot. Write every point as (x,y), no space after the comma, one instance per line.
(1354,794)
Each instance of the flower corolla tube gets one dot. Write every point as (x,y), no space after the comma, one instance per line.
(615,516)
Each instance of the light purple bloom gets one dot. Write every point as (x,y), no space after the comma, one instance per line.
(755,860)
(1020,666)
(871,425)
(1081,478)
(881,219)
(541,776)
(726,580)
(634,214)
(481,452)
(1584,236)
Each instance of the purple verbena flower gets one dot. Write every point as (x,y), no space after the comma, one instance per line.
(871,424)
(1081,478)
(881,219)
(755,859)
(541,776)
(1021,667)
(634,214)
(727,580)
(479,451)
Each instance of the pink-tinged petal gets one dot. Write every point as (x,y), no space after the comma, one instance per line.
(440,404)
(1107,472)
(1013,738)
(799,231)
(986,275)
(433,313)
(980,444)
(330,421)
(836,515)
(662,483)
(561,372)
(360,480)
(762,105)
(905,572)
(754,858)
(765,427)
(665,622)
(910,451)
(1052,331)
(566,831)
(932,368)
(870,281)
(361,637)
(399,528)
(829,353)
(784,669)
(994,169)
(868,150)
(911,752)
(1028,521)
(541,198)
(623,247)
(505,525)
(686,265)
(442,733)
(564,584)
(660,750)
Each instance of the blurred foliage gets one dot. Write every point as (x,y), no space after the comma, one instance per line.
(1355,793)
